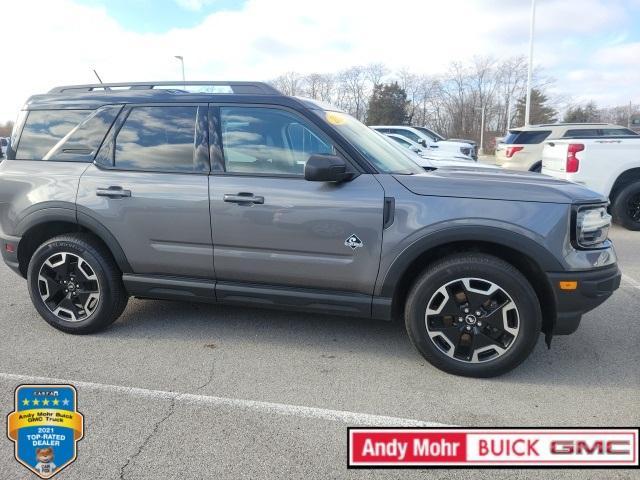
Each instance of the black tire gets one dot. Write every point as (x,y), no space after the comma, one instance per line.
(492,270)
(106,277)
(626,207)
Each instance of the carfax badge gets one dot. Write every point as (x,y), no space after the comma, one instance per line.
(45,427)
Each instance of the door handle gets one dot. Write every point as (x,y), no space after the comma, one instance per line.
(113,192)
(243,198)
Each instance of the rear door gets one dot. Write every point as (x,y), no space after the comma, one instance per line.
(149,188)
(271,226)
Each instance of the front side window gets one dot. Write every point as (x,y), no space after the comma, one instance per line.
(158,139)
(268,141)
(43,129)
(407,133)
(430,133)
(401,141)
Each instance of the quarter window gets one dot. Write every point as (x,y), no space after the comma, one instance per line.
(158,139)
(268,141)
(526,137)
(43,129)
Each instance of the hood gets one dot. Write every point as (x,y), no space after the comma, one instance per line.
(500,184)
(449,145)
(462,140)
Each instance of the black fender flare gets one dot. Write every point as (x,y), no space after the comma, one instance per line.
(62,213)
(479,233)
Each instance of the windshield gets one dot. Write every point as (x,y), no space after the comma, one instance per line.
(430,133)
(378,151)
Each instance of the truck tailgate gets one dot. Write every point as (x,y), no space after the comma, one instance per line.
(554,156)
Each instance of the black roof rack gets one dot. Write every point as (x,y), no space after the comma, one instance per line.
(249,88)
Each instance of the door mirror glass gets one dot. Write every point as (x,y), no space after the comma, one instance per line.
(326,168)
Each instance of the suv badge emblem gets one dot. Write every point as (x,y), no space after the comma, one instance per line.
(353,242)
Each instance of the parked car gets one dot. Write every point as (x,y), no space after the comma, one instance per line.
(422,151)
(430,160)
(419,136)
(437,138)
(522,149)
(610,166)
(139,191)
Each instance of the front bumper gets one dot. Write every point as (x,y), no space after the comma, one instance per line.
(594,287)
(10,255)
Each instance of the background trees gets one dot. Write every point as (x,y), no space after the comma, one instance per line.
(388,105)
(450,103)
(541,111)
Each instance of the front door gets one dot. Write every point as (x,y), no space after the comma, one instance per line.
(271,226)
(149,188)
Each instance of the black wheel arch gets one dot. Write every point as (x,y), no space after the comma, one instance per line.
(529,257)
(46,223)
(625,178)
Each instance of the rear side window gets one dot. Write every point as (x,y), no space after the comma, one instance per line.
(583,132)
(529,137)
(43,129)
(158,139)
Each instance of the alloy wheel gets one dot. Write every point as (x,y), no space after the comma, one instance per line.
(68,286)
(472,320)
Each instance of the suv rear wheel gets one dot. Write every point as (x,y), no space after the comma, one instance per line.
(473,315)
(75,284)
(626,207)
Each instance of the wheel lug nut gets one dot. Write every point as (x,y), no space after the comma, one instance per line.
(479,324)
(478,312)
(468,327)
(466,310)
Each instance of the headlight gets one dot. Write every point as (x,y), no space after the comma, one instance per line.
(592,226)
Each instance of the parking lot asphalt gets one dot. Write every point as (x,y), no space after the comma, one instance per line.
(179,390)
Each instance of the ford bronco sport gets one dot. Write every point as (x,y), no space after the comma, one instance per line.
(241,195)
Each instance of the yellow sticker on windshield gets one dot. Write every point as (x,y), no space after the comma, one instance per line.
(336,118)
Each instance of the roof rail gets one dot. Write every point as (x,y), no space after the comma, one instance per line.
(251,88)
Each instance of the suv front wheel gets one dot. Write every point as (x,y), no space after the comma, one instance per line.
(75,284)
(473,315)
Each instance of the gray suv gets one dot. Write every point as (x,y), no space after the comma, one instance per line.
(236,194)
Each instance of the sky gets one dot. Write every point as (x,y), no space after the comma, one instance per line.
(590,47)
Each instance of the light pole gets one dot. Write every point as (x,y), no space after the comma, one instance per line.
(527,110)
(482,132)
(181,58)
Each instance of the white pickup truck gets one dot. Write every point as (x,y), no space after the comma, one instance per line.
(610,166)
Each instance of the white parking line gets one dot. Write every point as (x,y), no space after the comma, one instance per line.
(349,418)
(632,282)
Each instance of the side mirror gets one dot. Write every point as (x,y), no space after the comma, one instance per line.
(423,142)
(326,168)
